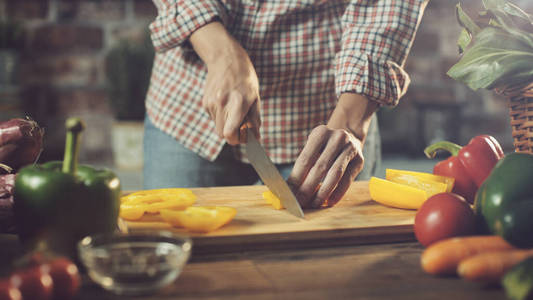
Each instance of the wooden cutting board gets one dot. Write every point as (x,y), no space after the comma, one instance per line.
(356,219)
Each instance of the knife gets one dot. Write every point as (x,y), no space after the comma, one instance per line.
(268,173)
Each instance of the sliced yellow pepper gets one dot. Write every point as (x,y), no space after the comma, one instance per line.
(430,186)
(135,205)
(158,195)
(131,213)
(175,204)
(448,181)
(199,218)
(271,199)
(395,194)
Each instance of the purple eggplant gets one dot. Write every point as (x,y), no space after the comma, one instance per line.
(21,142)
(7,218)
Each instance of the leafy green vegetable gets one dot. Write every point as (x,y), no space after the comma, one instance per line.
(469,28)
(498,53)
(465,21)
(507,7)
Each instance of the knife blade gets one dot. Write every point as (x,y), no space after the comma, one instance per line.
(270,175)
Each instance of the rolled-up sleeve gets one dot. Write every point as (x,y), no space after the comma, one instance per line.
(178,19)
(376,39)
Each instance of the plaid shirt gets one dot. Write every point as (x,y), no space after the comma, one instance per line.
(306,53)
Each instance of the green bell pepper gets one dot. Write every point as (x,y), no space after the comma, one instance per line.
(59,203)
(504,202)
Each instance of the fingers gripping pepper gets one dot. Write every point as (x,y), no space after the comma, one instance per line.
(469,165)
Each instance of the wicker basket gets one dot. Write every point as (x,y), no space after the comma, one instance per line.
(520,101)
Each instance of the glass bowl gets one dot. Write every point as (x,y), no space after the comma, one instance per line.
(134,264)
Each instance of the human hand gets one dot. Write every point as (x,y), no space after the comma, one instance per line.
(324,170)
(333,154)
(231,92)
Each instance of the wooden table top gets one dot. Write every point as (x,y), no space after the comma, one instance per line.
(376,271)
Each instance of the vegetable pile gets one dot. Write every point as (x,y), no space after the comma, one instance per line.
(481,239)
(50,207)
(497,53)
(498,242)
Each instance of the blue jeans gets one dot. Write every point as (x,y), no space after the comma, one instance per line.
(169,164)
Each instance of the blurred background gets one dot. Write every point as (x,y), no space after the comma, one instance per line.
(92,59)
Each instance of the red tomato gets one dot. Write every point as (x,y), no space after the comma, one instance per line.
(8,291)
(59,270)
(66,278)
(443,216)
(34,282)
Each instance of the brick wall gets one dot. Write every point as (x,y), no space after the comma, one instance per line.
(61,71)
(61,74)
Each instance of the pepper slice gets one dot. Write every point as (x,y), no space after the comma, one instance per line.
(449,181)
(395,194)
(271,199)
(415,179)
(131,213)
(469,165)
(158,195)
(199,218)
(135,205)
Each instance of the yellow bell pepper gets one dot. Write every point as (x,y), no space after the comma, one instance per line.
(159,195)
(131,213)
(403,176)
(199,218)
(175,204)
(135,205)
(271,199)
(431,187)
(395,194)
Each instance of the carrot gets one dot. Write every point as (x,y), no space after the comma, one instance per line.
(443,257)
(491,266)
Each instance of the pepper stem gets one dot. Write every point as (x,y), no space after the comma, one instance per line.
(74,128)
(431,150)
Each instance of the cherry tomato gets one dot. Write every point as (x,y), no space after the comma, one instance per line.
(443,216)
(8,291)
(34,282)
(66,278)
(60,270)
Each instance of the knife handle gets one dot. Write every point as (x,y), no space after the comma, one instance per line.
(243,130)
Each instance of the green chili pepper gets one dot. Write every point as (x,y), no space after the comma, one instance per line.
(59,203)
(504,201)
